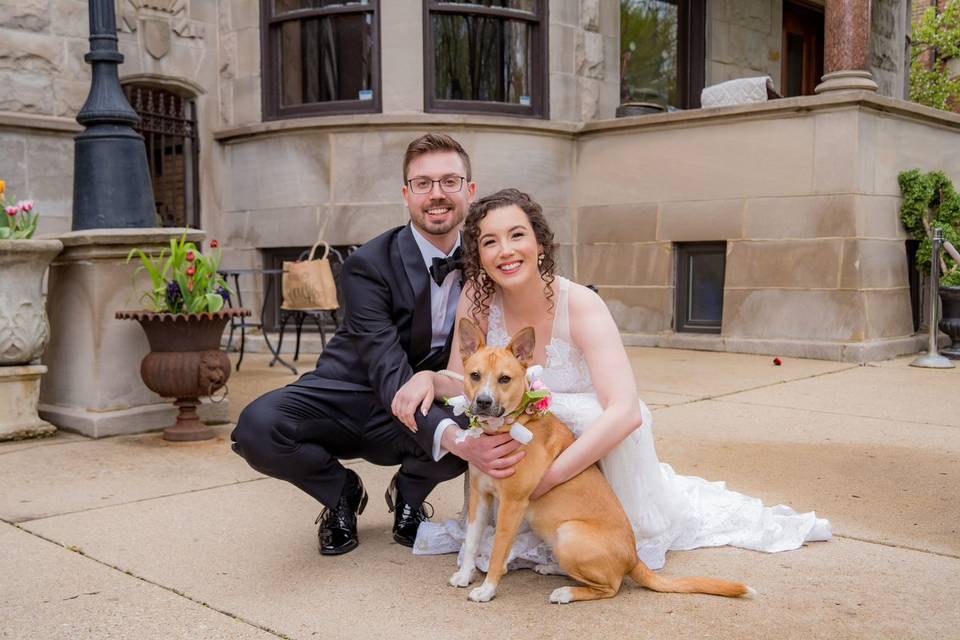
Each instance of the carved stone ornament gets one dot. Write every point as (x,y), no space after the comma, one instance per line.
(156,37)
(130,13)
(24,329)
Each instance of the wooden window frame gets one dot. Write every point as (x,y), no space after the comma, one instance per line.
(540,61)
(270,61)
(682,322)
(691,51)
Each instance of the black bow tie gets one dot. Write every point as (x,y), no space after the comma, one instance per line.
(441,267)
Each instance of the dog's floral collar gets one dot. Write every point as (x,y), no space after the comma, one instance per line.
(536,402)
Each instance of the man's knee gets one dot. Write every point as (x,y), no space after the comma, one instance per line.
(258,436)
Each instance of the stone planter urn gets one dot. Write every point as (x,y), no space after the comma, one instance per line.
(24,333)
(950,320)
(185,362)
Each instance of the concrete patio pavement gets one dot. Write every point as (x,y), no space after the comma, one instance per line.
(134,537)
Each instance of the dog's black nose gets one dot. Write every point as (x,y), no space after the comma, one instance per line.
(484,403)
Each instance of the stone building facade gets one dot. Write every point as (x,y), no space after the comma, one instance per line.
(799,194)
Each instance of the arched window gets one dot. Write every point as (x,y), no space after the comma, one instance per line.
(168,124)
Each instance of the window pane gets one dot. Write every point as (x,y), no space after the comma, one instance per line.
(285,6)
(648,51)
(794,65)
(481,58)
(522,5)
(705,286)
(324,59)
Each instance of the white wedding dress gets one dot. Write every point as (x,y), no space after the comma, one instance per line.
(668,511)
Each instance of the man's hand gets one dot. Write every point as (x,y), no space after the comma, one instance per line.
(417,393)
(495,455)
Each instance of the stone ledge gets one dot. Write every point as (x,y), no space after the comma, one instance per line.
(34,121)
(860,352)
(111,244)
(777,109)
(397,121)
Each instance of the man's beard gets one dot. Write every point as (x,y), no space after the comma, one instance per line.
(440,227)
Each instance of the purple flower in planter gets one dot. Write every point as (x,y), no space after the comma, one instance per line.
(224,294)
(174,295)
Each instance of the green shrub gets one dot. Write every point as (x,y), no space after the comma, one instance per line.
(930,201)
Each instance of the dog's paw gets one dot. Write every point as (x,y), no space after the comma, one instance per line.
(563,595)
(483,593)
(548,569)
(462,578)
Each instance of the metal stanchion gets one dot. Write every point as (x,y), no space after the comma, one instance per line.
(933,360)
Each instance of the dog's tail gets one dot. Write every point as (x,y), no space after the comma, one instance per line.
(642,575)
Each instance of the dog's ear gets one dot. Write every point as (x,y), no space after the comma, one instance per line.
(521,345)
(471,338)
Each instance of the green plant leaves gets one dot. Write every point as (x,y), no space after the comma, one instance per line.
(183,280)
(930,201)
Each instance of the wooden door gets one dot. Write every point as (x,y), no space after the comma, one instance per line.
(802,57)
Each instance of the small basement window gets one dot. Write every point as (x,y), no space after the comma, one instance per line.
(701,268)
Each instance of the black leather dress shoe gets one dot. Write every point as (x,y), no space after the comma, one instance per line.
(406,517)
(338,526)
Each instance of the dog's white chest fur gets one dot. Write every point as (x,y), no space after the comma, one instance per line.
(485,483)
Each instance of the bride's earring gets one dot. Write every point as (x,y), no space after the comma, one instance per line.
(540,260)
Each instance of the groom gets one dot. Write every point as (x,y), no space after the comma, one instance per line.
(400,293)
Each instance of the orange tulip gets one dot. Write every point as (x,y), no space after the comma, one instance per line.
(3,187)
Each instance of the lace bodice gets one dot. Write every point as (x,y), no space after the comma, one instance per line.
(565,370)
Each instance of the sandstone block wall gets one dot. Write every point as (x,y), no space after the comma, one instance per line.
(41,56)
(806,200)
(342,183)
(744,39)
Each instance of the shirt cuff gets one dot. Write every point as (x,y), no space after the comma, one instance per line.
(438,451)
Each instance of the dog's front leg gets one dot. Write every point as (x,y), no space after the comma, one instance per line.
(509,519)
(478,515)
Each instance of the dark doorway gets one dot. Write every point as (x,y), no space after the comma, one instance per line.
(168,124)
(802,49)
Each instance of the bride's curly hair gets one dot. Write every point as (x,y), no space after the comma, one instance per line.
(483,287)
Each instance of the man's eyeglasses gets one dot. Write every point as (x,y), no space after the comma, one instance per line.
(448,184)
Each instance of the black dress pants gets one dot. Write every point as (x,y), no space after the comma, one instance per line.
(300,433)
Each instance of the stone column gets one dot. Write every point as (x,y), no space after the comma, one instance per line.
(847,47)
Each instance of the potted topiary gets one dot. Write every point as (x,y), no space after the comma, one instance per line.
(183,322)
(929,202)
(24,328)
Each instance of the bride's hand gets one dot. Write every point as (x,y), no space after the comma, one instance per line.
(547,482)
(418,392)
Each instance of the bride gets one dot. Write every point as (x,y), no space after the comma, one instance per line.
(510,284)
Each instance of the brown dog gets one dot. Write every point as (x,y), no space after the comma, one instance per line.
(581,519)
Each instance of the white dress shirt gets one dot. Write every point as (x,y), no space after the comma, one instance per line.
(443,311)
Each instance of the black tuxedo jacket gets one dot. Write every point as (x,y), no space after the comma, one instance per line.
(387,327)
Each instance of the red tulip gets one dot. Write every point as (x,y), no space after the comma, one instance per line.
(214,244)
(190,256)
(190,285)
(191,271)
(777,362)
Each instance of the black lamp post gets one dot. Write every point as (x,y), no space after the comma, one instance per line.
(111,180)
